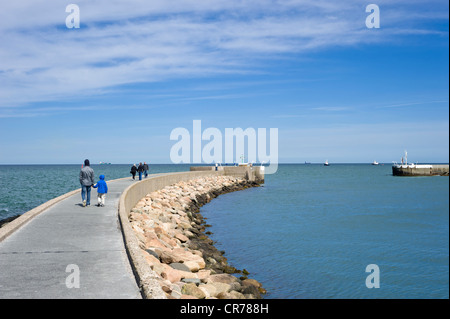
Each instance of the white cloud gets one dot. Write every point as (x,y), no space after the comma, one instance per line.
(422,103)
(123,42)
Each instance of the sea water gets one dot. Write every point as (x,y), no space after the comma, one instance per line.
(23,187)
(309,232)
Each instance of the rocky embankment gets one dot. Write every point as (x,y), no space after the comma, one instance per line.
(173,238)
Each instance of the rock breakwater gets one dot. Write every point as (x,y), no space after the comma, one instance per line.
(173,241)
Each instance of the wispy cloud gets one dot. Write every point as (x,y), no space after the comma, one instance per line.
(136,41)
(332,108)
(397,105)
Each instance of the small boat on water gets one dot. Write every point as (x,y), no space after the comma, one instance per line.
(326,163)
(375,163)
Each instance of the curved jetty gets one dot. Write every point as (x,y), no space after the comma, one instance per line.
(420,170)
(170,232)
(411,169)
(146,242)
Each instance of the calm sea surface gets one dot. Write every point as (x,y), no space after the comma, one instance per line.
(24,187)
(309,232)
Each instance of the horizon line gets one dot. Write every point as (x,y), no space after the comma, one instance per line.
(228,164)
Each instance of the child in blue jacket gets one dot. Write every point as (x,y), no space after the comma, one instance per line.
(101,191)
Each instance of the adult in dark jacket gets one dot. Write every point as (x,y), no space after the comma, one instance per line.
(140,171)
(145,169)
(86,181)
(133,170)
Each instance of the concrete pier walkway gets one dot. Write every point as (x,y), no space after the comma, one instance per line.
(39,258)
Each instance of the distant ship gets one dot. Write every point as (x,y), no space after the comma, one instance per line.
(326,163)
(104,163)
(375,163)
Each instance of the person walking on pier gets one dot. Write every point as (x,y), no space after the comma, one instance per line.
(86,181)
(133,170)
(102,190)
(140,171)
(145,169)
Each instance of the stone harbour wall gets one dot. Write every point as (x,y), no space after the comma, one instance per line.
(171,238)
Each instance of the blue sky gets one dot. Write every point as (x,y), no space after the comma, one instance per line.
(114,89)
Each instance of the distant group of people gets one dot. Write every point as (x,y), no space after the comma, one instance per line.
(142,169)
(87,181)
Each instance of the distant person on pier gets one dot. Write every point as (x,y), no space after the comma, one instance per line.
(140,171)
(133,170)
(145,169)
(86,181)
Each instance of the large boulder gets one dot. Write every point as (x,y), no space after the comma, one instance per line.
(192,290)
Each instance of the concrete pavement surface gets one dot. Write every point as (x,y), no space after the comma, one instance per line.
(70,251)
